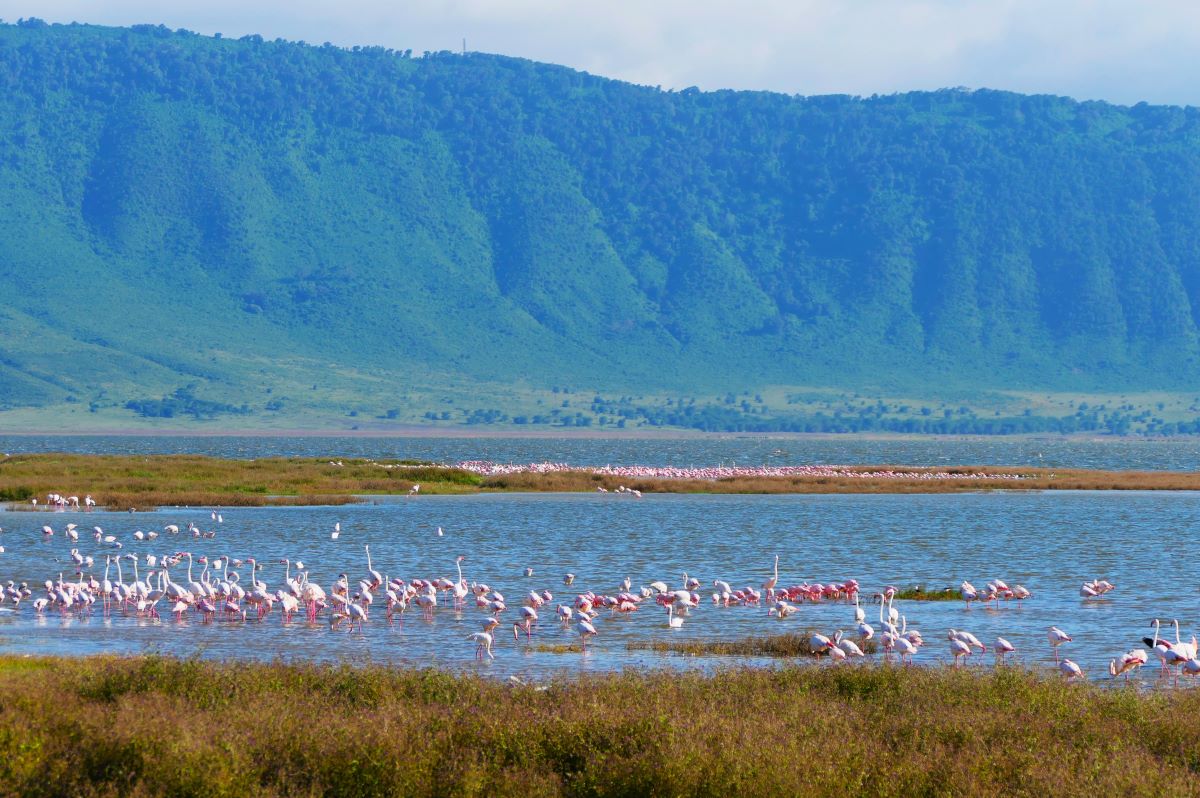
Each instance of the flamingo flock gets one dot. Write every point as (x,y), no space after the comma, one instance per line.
(221,588)
(488,468)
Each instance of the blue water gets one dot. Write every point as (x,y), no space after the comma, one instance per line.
(1050,542)
(1116,453)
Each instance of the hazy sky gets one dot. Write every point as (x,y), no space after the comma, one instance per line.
(1119,51)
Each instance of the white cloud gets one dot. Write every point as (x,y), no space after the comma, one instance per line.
(1121,51)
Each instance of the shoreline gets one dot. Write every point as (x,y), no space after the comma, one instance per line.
(563,433)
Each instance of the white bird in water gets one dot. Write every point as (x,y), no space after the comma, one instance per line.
(1070,669)
(337,530)
(439,531)
(1057,637)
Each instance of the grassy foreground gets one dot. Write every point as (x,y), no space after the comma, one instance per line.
(157,726)
(121,482)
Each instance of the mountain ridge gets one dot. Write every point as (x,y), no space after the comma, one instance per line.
(188,212)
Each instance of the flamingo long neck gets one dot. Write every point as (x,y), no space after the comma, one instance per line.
(287,576)
(120,579)
(368,548)
(776,567)
(1156,625)
(107,565)
(1176,622)
(458,564)
(190,579)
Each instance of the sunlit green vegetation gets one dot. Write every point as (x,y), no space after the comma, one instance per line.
(789,644)
(155,726)
(257,233)
(145,481)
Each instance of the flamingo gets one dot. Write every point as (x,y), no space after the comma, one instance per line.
(819,643)
(769,585)
(959,649)
(1057,637)
(585,630)
(849,647)
(1168,655)
(1187,649)
(1131,660)
(1002,648)
(376,577)
(460,587)
(905,648)
(1070,670)
(971,640)
(483,644)
(529,617)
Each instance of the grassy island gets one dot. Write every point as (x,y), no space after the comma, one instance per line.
(125,481)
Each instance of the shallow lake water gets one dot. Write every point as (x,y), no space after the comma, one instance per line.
(742,450)
(1049,542)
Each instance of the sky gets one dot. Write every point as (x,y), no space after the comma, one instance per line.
(1124,52)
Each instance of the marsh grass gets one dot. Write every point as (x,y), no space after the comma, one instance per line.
(557,648)
(122,482)
(790,644)
(921,594)
(155,726)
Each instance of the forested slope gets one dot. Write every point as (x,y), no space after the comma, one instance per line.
(179,210)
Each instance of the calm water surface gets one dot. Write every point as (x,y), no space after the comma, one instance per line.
(1050,542)
(1117,453)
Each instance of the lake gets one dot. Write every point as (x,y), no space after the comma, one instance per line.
(1049,542)
(750,450)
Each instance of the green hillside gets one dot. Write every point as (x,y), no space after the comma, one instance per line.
(252,227)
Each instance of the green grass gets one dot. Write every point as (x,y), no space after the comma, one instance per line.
(791,644)
(922,594)
(156,726)
(121,481)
